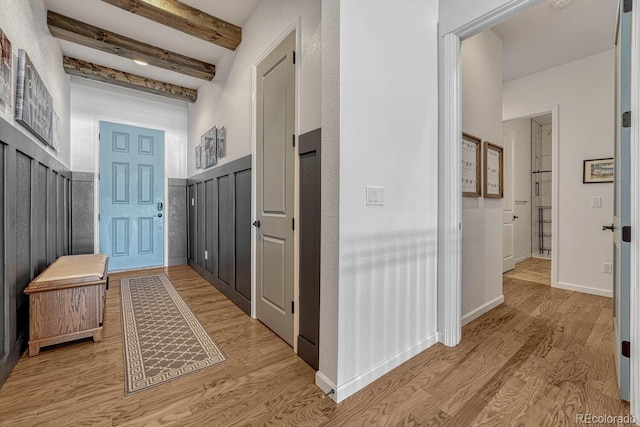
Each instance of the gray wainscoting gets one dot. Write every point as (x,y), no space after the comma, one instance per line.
(177,212)
(35,228)
(82,212)
(309,297)
(219,223)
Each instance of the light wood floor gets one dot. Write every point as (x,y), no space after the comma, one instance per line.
(538,359)
(536,270)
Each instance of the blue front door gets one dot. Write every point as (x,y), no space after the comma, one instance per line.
(131,196)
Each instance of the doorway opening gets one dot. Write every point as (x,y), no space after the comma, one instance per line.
(529,230)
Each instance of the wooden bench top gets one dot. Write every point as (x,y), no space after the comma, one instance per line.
(71,271)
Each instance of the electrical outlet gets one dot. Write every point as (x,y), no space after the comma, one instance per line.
(606,267)
(206,255)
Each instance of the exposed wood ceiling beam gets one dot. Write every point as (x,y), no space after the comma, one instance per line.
(88,70)
(185,18)
(69,29)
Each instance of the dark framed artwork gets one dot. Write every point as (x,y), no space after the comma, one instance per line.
(34,104)
(6,63)
(493,171)
(222,142)
(596,171)
(199,156)
(210,148)
(471,147)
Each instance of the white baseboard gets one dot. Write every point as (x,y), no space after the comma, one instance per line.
(522,258)
(358,383)
(440,337)
(474,314)
(325,385)
(584,289)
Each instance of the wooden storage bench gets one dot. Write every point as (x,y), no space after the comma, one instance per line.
(66,301)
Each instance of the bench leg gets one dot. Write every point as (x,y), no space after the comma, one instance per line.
(34,349)
(97,335)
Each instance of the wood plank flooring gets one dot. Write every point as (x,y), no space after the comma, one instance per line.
(537,360)
(537,270)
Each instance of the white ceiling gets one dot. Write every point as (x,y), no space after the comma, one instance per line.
(103,15)
(543,37)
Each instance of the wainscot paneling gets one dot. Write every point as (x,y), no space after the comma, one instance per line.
(219,222)
(34,226)
(309,149)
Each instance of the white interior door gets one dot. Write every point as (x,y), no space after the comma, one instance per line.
(509,216)
(621,215)
(275,115)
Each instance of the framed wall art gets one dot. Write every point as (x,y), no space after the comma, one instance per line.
(34,104)
(597,170)
(493,171)
(222,142)
(6,64)
(210,148)
(471,147)
(199,156)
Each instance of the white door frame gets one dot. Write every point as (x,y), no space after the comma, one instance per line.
(293,27)
(555,177)
(450,208)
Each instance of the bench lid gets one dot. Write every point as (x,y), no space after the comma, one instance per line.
(72,269)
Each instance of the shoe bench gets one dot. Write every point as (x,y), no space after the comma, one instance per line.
(66,301)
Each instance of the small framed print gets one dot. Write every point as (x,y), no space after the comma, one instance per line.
(222,142)
(199,156)
(493,171)
(597,170)
(210,148)
(471,166)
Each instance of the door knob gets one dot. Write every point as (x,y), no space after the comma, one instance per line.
(608,227)
(515,217)
(159,215)
(256,223)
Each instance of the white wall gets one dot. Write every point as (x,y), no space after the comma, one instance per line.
(92,102)
(228,102)
(388,137)
(584,91)
(24,23)
(327,375)
(481,65)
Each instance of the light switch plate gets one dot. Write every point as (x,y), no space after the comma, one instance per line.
(374,196)
(596,202)
(607,268)
(193,201)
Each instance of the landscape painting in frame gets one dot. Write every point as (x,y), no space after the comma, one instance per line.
(598,170)
(34,104)
(210,147)
(222,142)
(6,80)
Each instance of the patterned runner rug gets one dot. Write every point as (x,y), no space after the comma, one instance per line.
(163,340)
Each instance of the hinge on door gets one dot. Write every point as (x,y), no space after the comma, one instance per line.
(293,223)
(626,233)
(626,348)
(98,217)
(626,119)
(293,307)
(627,6)
(294,56)
(293,140)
